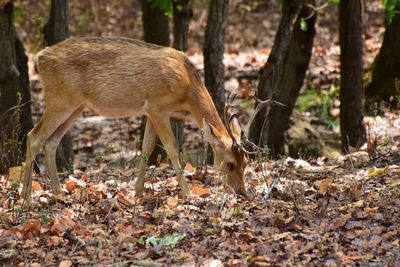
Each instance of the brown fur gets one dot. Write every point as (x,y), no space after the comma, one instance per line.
(119,77)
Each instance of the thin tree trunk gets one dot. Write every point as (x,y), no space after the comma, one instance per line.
(9,85)
(386,66)
(182,14)
(24,89)
(155,24)
(156,31)
(56,30)
(213,51)
(351,85)
(15,112)
(274,80)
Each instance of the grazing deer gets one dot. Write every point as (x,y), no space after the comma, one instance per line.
(120,77)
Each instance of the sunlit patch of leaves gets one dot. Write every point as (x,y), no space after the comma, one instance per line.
(320,102)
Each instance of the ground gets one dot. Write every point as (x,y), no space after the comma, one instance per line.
(330,210)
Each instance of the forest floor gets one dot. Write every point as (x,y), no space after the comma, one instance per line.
(330,210)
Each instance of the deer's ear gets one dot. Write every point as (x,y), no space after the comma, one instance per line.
(234,125)
(212,135)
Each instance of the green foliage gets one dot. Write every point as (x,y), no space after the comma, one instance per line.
(164,5)
(18,15)
(390,6)
(159,243)
(336,2)
(303,25)
(319,102)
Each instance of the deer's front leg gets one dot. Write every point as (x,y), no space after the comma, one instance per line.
(149,142)
(50,148)
(162,126)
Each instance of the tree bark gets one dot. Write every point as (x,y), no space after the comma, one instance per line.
(156,31)
(15,113)
(281,79)
(181,16)
(56,30)
(351,85)
(213,51)
(182,13)
(24,89)
(9,84)
(155,24)
(386,66)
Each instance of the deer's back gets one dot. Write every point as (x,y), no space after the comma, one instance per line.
(114,73)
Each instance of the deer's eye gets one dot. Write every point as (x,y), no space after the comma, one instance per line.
(230,166)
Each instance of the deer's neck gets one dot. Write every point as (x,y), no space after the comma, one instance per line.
(204,108)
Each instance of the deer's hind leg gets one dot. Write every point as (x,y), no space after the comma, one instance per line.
(52,118)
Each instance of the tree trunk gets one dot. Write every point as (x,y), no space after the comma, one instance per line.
(15,111)
(56,30)
(9,86)
(156,31)
(351,85)
(281,79)
(182,14)
(155,24)
(386,66)
(214,52)
(24,89)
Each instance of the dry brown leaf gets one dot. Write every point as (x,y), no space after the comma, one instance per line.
(353,205)
(260,261)
(10,234)
(31,228)
(326,185)
(65,263)
(281,236)
(70,186)
(54,241)
(15,174)
(172,202)
(163,212)
(339,222)
(125,201)
(85,178)
(378,172)
(200,191)
(395,181)
(142,254)
(36,186)
(189,169)
(371,210)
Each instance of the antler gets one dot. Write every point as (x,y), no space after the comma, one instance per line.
(228,105)
(245,139)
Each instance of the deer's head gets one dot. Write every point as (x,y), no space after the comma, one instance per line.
(229,158)
(230,154)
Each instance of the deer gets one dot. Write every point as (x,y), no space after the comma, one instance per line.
(118,77)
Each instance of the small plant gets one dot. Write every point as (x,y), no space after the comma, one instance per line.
(160,243)
(320,102)
(10,131)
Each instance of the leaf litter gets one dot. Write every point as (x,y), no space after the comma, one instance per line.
(336,212)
